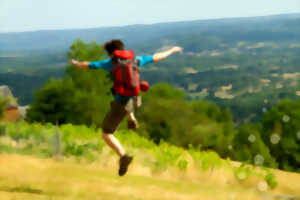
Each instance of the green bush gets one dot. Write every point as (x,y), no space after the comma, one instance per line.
(271,179)
(248,146)
(281,128)
(3,103)
(2,130)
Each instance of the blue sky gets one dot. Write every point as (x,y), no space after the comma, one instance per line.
(30,15)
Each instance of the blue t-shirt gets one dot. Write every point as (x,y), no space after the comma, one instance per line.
(107,65)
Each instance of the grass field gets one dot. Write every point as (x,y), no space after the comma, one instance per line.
(30,178)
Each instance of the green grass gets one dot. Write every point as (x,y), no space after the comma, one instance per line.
(83,167)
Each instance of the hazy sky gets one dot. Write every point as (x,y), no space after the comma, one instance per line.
(28,15)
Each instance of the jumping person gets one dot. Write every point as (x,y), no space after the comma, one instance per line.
(122,105)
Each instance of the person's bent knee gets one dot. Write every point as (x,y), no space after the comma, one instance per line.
(106,135)
(108,129)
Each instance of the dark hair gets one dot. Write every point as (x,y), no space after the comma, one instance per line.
(113,45)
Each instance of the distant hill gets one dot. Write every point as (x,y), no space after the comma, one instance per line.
(276,27)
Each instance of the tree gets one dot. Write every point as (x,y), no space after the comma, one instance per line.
(157,115)
(3,103)
(53,103)
(281,133)
(248,146)
(167,116)
(82,97)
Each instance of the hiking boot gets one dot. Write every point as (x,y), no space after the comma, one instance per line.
(132,124)
(124,162)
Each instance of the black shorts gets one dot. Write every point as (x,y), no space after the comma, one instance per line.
(114,117)
(118,111)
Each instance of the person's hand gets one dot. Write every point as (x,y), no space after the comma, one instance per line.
(177,49)
(80,64)
(162,55)
(73,62)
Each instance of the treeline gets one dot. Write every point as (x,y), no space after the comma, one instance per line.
(82,97)
(272,142)
(25,72)
(243,72)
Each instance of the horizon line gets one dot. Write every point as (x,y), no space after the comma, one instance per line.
(147,24)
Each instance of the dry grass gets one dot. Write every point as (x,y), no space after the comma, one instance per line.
(256,45)
(233,66)
(24,177)
(190,70)
(216,53)
(192,86)
(291,75)
(223,95)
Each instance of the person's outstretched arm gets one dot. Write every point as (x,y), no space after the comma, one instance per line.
(162,55)
(80,65)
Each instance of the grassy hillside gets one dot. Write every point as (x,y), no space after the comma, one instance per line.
(42,162)
(25,177)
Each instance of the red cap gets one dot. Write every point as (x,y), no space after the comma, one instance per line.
(145,86)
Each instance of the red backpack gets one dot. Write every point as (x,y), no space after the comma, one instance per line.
(125,74)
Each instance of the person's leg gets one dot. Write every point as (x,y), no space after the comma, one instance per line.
(114,143)
(131,116)
(132,123)
(110,124)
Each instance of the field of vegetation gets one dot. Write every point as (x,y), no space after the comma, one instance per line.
(72,162)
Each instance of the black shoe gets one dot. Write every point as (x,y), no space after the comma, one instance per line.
(124,162)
